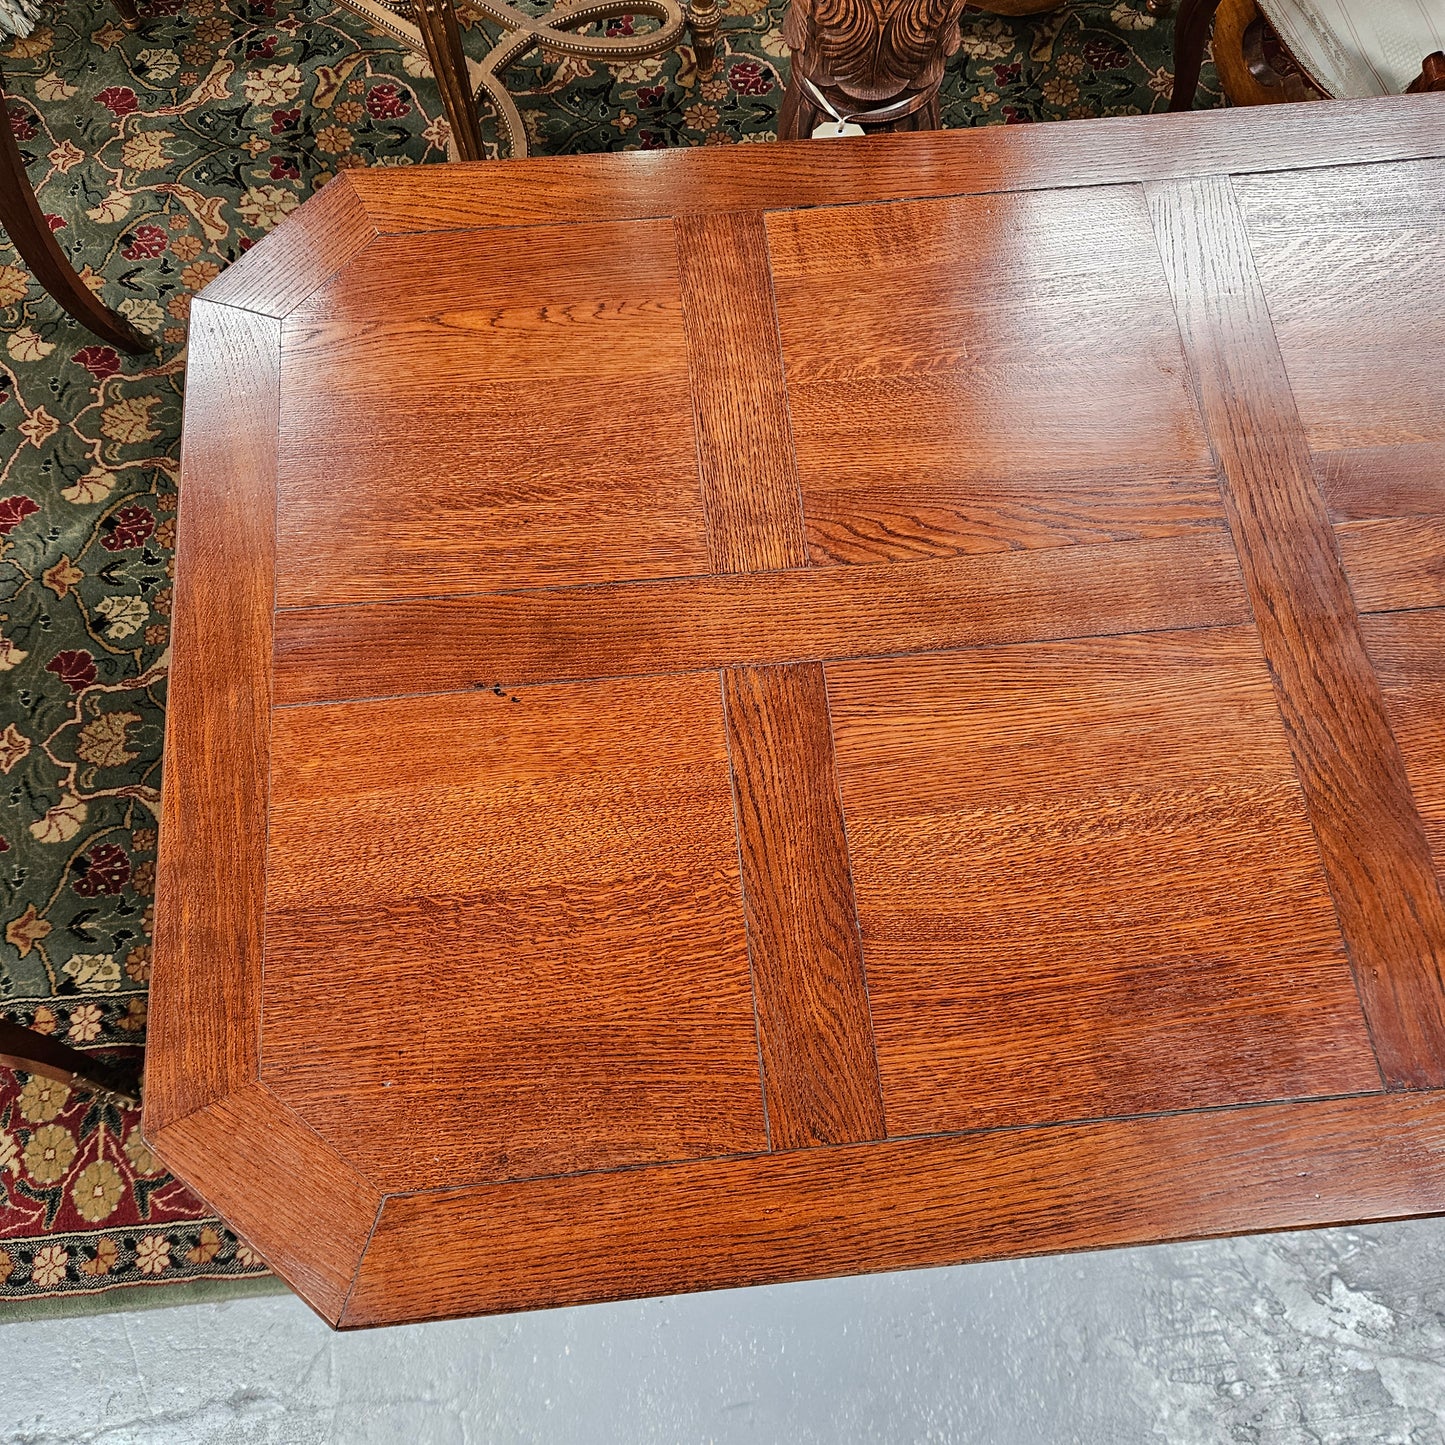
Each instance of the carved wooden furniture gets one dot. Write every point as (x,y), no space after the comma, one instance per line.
(31,235)
(757,719)
(1294,50)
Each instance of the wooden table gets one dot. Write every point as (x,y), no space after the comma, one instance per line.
(780,711)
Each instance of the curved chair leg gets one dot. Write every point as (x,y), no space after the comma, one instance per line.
(28,229)
(1191,30)
(34,1053)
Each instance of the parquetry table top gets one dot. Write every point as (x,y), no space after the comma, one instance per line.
(793,710)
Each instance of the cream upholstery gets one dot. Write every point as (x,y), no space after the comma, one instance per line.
(1358,48)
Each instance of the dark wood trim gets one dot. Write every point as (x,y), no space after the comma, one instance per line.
(34,1053)
(820,1070)
(1371,838)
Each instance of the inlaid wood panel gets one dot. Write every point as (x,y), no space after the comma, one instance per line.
(1075,860)
(754,714)
(902,1204)
(541,898)
(202,1032)
(493,461)
(521,637)
(745,445)
(1371,838)
(812,997)
(1018,321)
(1349,262)
(1408,651)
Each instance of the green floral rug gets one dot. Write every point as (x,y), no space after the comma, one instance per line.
(160,156)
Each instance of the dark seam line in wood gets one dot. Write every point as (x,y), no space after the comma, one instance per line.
(270,712)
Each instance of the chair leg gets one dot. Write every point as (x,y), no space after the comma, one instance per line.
(28,229)
(703,19)
(437,21)
(129,15)
(34,1053)
(1191,30)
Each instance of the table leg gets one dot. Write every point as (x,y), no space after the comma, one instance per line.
(1191,30)
(27,227)
(34,1053)
(437,21)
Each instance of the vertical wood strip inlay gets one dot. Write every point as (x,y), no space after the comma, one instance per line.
(745,444)
(1371,837)
(211,882)
(819,1066)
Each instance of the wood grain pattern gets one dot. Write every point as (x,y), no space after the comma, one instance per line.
(1370,835)
(555,916)
(1395,562)
(211,878)
(541,898)
(745,448)
(540,432)
(819,1068)
(312,244)
(909,326)
(901,1205)
(1075,859)
(301,1206)
(1346,258)
(1396,480)
(326,654)
(894,167)
(1408,651)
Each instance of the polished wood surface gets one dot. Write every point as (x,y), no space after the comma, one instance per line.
(803,717)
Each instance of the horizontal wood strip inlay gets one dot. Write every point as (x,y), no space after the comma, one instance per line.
(805,614)
(1371,837)
(901,1204)
(896,167)
(819,1066)
(745,447)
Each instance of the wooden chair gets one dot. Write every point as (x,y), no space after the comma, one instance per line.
(1271,51)
(27,227)
(34,1053)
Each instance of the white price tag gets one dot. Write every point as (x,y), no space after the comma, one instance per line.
(831,128)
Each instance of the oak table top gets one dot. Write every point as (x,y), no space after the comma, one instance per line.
(779,711)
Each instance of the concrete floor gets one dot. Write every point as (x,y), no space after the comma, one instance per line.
(1332,1338)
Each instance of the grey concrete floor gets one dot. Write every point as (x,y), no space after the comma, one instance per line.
(1330,1338)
